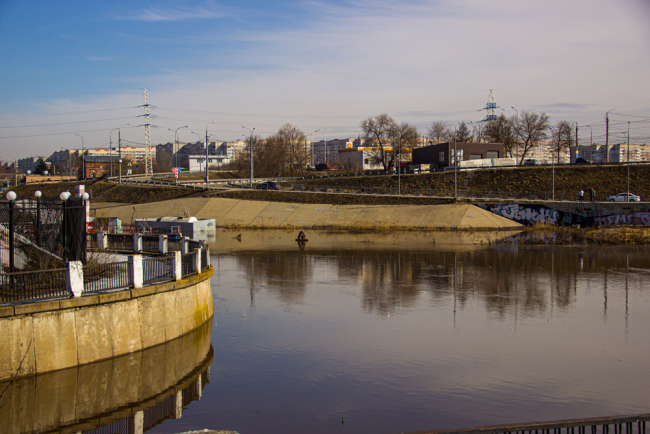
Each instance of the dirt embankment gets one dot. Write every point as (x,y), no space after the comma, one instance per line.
(606,180)
(102,191)
(427,181)
(329,199)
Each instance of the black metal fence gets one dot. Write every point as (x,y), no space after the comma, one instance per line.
(174,244)
(188,263)
(158,269)
(120,242)
(104,277)
(431,193)
(204,258)
(601,425)
(150,244)
(33,285)
(32,232)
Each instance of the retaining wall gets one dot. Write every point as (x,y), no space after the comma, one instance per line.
(87,397)
(60,334)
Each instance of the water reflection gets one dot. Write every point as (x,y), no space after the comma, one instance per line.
(399,339)
(529,282)
(137,390)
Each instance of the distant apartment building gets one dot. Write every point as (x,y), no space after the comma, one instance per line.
(28,164)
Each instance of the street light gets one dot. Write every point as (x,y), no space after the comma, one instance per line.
(628,161)
(591,141)
(512,107)
(607,135)
(312,147)
(553,162)
(207,174)
(251,146)
(110,149)
(83,151)
(175,150)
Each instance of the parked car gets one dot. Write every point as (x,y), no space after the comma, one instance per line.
(532,162)
(622,197)
(268,185)
(582,161)
(323,166)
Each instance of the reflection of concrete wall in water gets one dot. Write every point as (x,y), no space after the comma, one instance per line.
(62,334)
(144,387)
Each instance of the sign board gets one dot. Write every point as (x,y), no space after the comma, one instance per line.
(176,170)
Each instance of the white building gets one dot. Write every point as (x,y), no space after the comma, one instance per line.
(359,158)
(197,162)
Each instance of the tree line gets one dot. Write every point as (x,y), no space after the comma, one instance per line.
(286,153)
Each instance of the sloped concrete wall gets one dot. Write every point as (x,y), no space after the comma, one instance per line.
(42,337)
(235,213)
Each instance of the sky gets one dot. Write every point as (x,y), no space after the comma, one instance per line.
(82,66)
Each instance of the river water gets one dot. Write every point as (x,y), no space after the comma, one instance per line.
(361,333)
(417,335)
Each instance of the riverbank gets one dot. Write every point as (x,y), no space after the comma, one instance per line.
(545,234)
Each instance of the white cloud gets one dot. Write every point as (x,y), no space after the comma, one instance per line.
(418,61)
(178,13)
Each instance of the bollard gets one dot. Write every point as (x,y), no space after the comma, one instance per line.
(137,276)
(74,278)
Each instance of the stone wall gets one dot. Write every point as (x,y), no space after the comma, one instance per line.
(61,334)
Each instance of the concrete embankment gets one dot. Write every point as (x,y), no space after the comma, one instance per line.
(86,397)
(234,213)
(61,334)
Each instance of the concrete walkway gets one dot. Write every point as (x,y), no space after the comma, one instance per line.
(236,213)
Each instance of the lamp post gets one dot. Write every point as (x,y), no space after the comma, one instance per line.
(83,152)
(517,128)
(110,149)
(325,128)
(591,141)
(628,161)
(251,149)
(176,150)
(607,135)
(312,147)
(207,174)
(553,163)
(199,136)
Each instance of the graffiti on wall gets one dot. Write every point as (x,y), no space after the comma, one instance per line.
(621,218)
(531,214)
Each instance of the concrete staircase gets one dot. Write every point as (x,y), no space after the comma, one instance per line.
(466,181)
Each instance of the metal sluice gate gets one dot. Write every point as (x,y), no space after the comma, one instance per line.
(601,425)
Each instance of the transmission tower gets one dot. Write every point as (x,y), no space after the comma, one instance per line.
(491,108)
(147,136)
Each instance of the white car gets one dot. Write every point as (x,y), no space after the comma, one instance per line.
(623,197)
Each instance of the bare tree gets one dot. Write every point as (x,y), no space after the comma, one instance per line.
(163,162)
(292,154)
(379,130)
(532,130)
(463,133)
(502,130)
(439,131)
(563,137)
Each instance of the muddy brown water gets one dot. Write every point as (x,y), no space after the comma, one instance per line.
(404,334)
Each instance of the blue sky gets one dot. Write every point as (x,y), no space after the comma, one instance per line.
(82,66)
